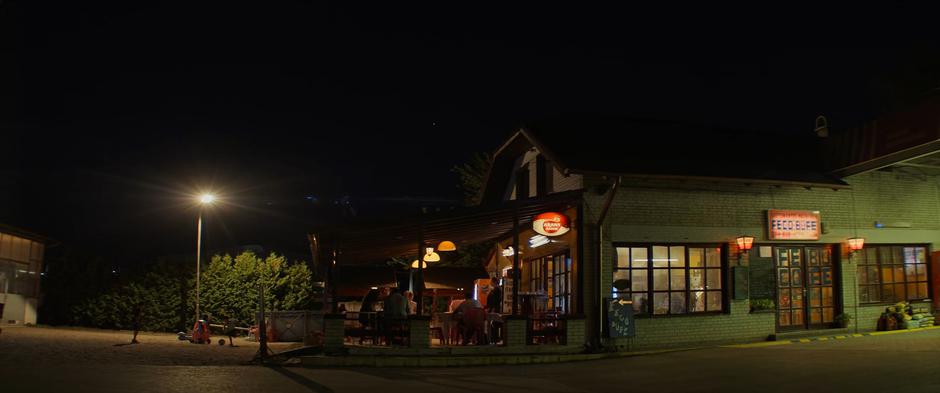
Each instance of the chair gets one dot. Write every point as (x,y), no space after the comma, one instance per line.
(474,322)
(396,331)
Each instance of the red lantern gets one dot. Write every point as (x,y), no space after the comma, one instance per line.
(856,244)
(745,243)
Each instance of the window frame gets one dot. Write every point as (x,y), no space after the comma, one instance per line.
(541,279)
(879,267)
(650,290)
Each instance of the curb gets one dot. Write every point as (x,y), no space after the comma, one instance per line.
(827,338)
(465,361)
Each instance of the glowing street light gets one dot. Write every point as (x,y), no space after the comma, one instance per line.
(204,200)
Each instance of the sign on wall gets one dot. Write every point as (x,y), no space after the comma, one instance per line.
(551,224)
(620,318)
(793,225)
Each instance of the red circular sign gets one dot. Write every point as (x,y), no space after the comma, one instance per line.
(551,224)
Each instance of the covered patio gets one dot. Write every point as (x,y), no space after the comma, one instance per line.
(537,280)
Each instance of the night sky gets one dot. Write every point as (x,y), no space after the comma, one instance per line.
(113,116)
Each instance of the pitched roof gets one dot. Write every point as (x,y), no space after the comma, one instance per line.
(626,146)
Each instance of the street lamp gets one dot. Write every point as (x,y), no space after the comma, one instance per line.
(204,200)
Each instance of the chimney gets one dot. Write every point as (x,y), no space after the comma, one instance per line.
(822,126)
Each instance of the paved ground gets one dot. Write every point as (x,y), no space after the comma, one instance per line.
(908,362)
(51,346)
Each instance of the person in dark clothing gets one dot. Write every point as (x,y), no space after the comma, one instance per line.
(368,305)
(495,298)
(138,315)
(229,329)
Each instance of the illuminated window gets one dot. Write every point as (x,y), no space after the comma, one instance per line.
(892,274)
(675,279)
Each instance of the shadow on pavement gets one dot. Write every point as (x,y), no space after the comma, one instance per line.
(306,382)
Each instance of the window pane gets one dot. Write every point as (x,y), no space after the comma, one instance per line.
(886,276)
(696,257)
(863,294)
(660,256)
(677,303)
(660,303)
(697,302)
(869,256)
(873,275)
(862,276)
(921,255)
(640,302)
(910,273)
(874,293)
(827,315)
(638,282)
(783,277)
(697,279)
(813,257)
(714,300)
(785,318)
(623,257)
(815,315)
(783,257)
(797,318)
(911,291)
(815,297)
(898,273)
(922,290)
(815,276)
(784,301)
(897,255)
(796,276)
(713,257)
(713,279)
(660,279)
(827,296)
(677,256)
(677,279)
(899,292)
(640,257)
(921,273)
(910,256)
(887,292)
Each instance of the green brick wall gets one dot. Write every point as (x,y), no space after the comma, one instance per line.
(649,211)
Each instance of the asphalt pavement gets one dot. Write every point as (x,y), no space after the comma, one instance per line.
(908,362)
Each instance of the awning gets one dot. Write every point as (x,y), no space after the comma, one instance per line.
(366,243)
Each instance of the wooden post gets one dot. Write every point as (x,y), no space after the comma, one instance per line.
(419,288)
(516,274)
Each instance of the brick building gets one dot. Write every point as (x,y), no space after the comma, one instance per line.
(652,227)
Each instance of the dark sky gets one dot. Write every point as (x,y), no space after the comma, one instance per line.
(114,115)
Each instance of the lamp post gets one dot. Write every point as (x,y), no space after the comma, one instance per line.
(204,200)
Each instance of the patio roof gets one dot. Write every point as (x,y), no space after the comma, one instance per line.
(366,243)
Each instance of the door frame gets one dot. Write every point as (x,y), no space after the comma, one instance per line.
(835,259)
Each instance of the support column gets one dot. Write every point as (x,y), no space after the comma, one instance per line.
(334,333)
(419,327)
(516,327)
(516,274)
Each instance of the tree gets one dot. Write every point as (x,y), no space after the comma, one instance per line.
(473,177)
(230,285)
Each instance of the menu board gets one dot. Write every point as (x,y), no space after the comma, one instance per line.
(620,321)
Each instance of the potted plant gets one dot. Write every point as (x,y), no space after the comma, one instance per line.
(763,305)
(843,320)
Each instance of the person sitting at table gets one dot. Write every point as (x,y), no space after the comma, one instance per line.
(368,306)
(412,305)
(455,302)
(395,313)
(459,312)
